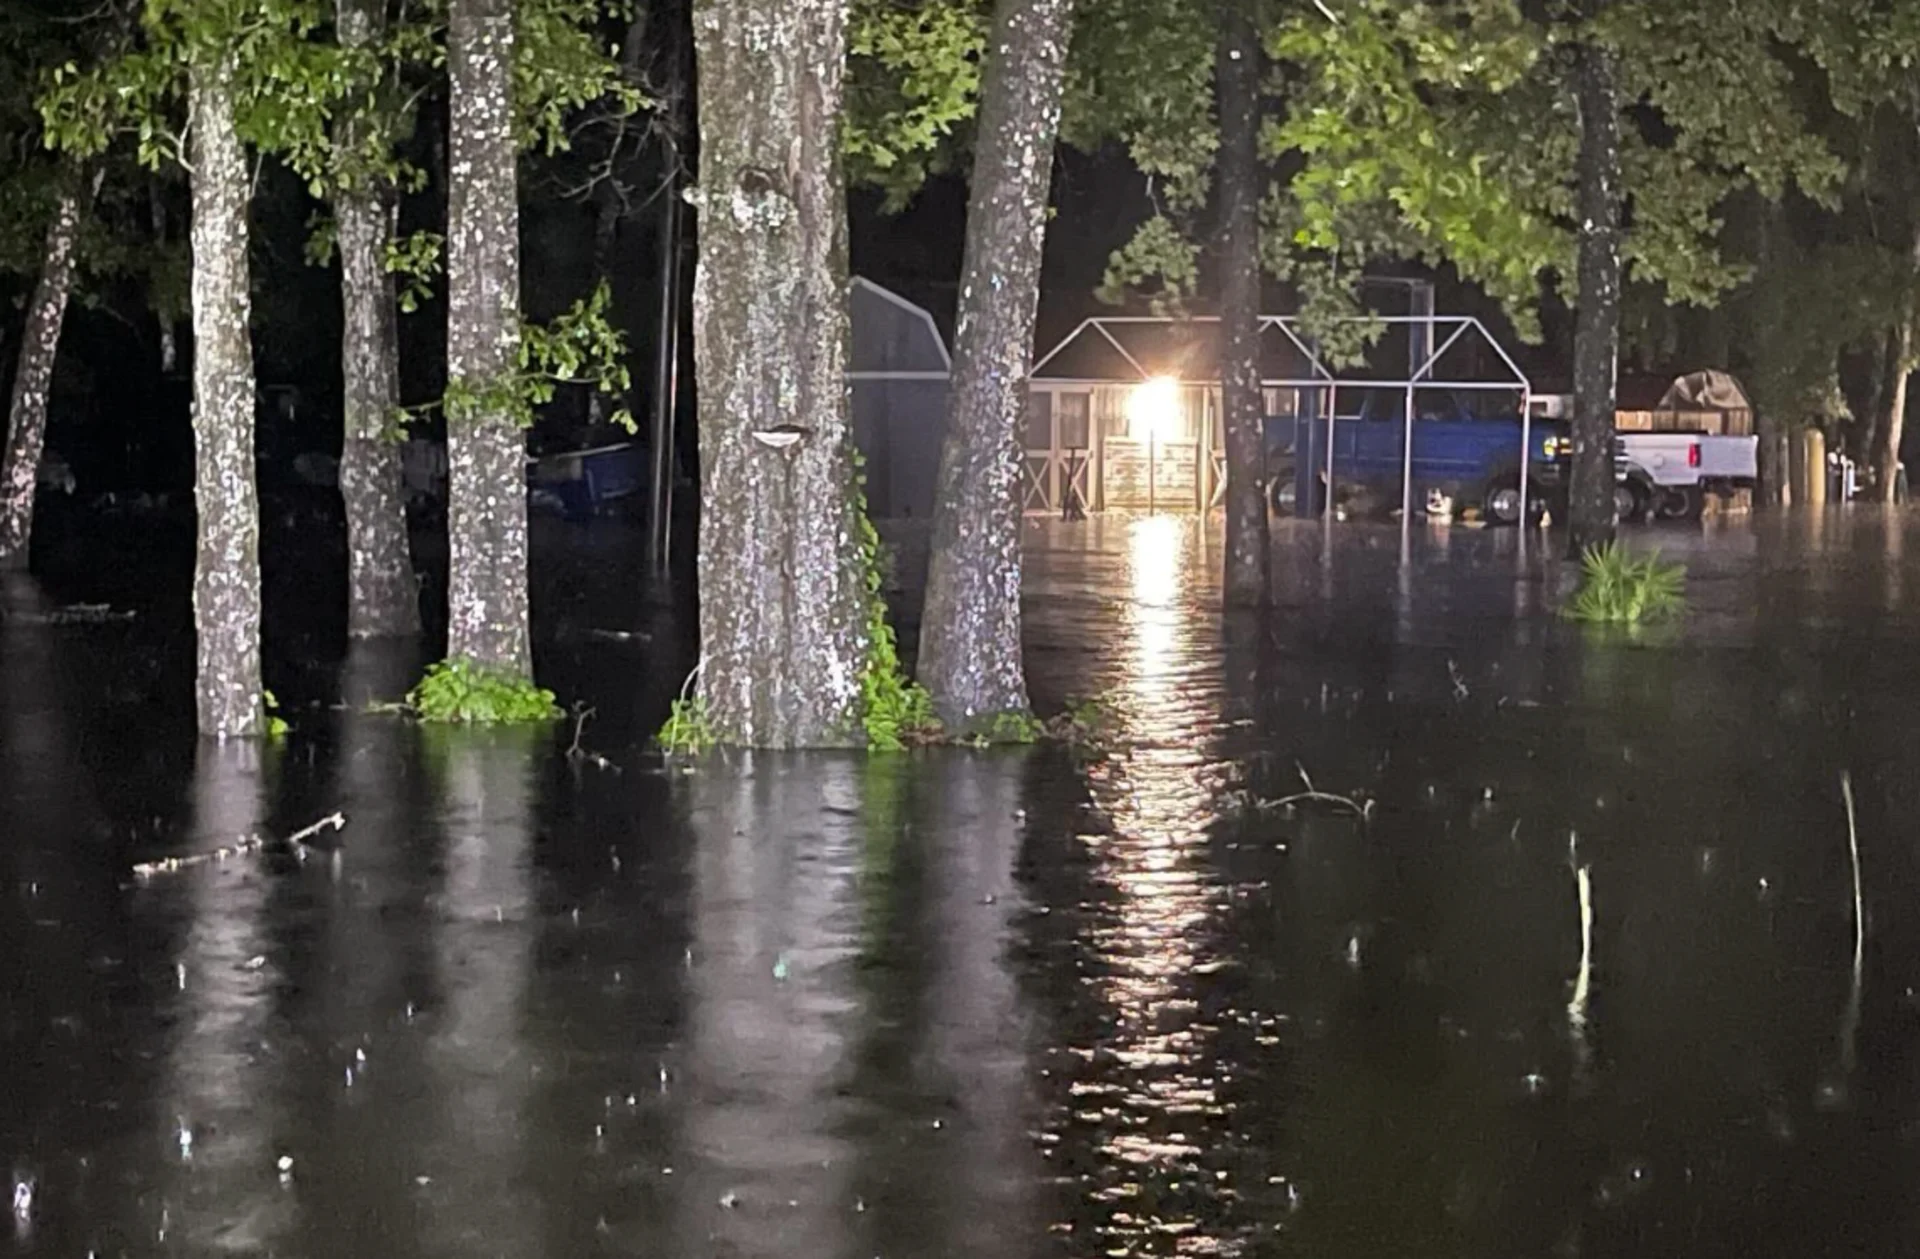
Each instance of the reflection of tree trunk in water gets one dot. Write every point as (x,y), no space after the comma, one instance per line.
(33,376)
(985,1176)
(770,1000)
(1591,518)
(224,1007)
(480,1064)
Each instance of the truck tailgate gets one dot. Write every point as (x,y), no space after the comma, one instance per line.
(1729,458)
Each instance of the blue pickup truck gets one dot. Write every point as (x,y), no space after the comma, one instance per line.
(1458,448)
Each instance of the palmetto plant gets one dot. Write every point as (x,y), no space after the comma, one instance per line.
(1618,588)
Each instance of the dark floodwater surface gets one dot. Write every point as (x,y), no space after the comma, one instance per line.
(999,1004)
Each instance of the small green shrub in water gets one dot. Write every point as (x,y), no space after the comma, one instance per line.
(275,726)
(460,691)
(1618,589)
(687,731)
(894,711)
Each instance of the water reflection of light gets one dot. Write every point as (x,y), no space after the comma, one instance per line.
(1152,1091)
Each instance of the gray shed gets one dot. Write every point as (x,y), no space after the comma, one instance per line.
(898,373)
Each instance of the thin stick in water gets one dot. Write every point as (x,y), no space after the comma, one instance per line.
(239,848)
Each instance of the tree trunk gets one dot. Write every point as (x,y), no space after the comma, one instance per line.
(1775,488)
(1892,424)
(970,629)
(169,341)
(383,599)
(782,592)
(226,582)
(1892,420)
(1249,579)
(33,376)
(487,615)
(1591,518)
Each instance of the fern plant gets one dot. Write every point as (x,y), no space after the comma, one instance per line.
(1617,588)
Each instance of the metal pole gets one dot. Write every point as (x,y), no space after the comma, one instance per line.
(1526,450)
(1333,410)
(1406,464)
(666,383)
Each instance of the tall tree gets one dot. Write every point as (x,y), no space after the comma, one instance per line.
(33,373)
(487,613)
(970,658)
(1249,559)
(1592,515)
(783,609)
(383,598)
(226,580)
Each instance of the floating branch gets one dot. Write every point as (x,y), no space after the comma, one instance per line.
(1583,979)
(246,846)
(1314,795)
(1850,1020)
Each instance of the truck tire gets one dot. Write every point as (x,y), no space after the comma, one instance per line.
(1680,502)
(1500,504)
(1631,500)
(1280,487)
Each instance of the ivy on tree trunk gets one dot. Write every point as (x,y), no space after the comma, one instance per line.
(1249,559)
(383,598)
(487,613)
(226,583)
(33,376)
(782,591)
(1591,518)
(970,629)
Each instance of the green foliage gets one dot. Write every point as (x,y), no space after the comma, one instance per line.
(581,347)
(1008,728)
(461,691)
(894,710)
(276,725)
(687,731)
(560,67)
(1618,589)
(913,79)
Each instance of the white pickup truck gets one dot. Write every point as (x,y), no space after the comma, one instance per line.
(1667,476)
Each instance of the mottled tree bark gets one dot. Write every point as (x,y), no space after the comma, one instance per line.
(1249,560)
(1591,518)
(33,376)
(487,616)
(970,630)
(1891,427)
(782,595)
(383,599)
(226,582)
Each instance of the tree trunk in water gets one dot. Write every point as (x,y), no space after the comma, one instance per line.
(1249,579)
(1884,371)
(1887,433)
(226,582)
(970,629)
(33,376)
(782,592)
(1893,419)
(383,599)
(1591,518)
(487,615)
(1775,487)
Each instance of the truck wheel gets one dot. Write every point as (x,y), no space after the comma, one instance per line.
(1680,502)
(1280,488)
(1501,504)
(1631,500)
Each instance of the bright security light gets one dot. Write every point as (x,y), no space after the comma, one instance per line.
(1153,410)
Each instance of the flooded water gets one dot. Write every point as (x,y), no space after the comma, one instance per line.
(1017,1003)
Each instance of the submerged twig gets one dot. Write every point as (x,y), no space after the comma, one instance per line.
(239,848)
(1312,793)
(1583,978)
(577,755)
